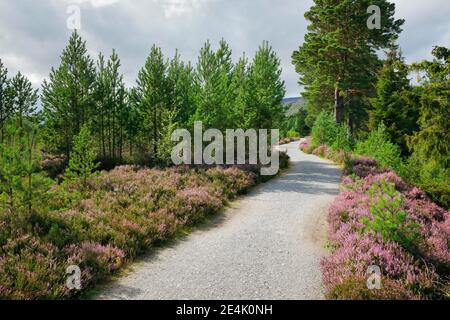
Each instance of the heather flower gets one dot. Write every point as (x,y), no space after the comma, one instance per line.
(355,248)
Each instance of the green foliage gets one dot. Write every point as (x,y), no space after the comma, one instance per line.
(433,138)
(324,130)
(295,123)
(379,147)
(292,134)
(390,219)
(82,158)
(182,89)
(243,112)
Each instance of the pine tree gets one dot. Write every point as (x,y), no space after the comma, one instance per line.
(150,98)
(266,88)
(23,98)
(182,90)
(241,113)
(111,112)
(430,145)
(5,105)
(433,138)
(337,61)
(68,98)
(82,158)
(391,105)
(212,77)
(22,184)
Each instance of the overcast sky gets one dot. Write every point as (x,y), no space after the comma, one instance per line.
(33,33)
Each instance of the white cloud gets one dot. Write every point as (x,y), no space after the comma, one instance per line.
(176,8)
(94,3)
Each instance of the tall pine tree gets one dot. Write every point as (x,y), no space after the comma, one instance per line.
(5,105)
(23,98)
(182,89)
(150,97)
(266,88)
(391,105)
(68,97)
(111,112)
(337,61)
(213,78)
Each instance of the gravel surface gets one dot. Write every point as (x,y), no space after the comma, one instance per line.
(267,245)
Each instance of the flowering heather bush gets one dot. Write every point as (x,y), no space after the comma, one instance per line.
(306,144)
(370,223)
(122,213)
(322,151)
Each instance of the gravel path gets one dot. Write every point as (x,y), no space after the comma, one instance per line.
(267,245)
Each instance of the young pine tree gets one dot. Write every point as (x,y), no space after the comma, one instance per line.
(82,158)
(22,185)
(430,145)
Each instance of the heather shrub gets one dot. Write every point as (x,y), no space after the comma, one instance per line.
(121,214)
(378,219)
(322,151)
(306,145)
(355,288)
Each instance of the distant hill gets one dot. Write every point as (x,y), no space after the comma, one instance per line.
(295,104)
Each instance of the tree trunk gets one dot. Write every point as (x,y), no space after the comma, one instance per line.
(338,106)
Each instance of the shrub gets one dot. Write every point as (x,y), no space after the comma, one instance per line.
(431,176)
(324,130)
(292,134)
(343,139)
(389,218)
(306,145)
(81,162)
(381,149)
